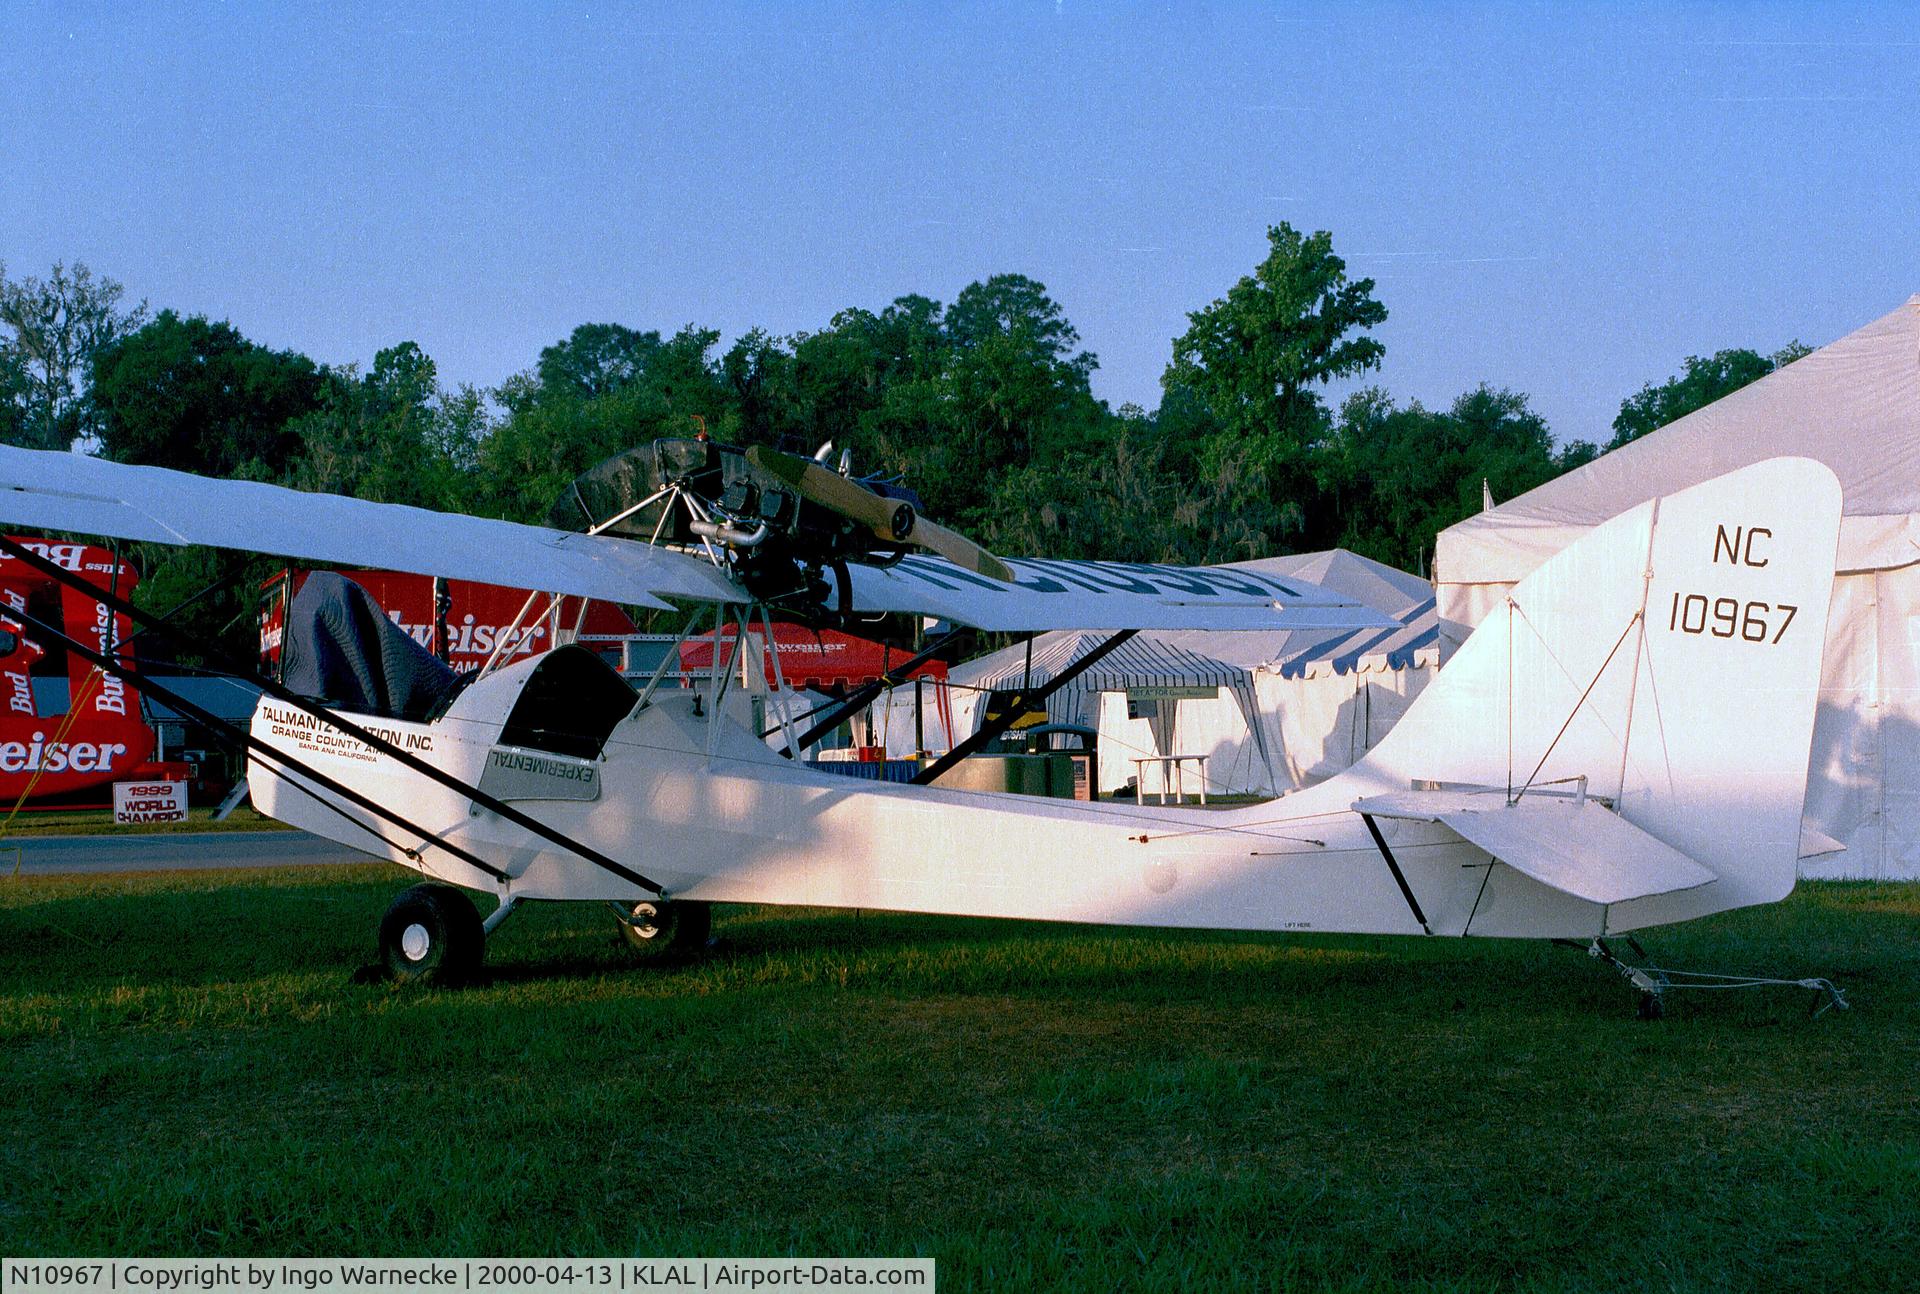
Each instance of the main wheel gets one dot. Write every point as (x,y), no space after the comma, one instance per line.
(432,932)
(664,928)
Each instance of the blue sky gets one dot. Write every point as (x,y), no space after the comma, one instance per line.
(1565,200)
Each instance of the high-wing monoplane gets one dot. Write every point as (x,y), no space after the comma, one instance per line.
(1623,742)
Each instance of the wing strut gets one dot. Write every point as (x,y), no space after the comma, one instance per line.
(993,725)
(1399,878)
(863,696)
(325,715)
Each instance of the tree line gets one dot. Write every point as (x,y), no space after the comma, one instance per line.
(983,405)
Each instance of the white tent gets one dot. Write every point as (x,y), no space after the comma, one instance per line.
(1153,673)
(1855,406)
(1335,698)
(1325,698)
(1319,698)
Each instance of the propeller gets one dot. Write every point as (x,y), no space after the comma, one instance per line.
(891,519)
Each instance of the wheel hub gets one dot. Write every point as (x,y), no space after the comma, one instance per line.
(414,942)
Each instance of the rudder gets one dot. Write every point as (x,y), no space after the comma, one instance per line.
(1671,657)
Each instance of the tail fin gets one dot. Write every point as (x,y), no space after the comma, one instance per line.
(1670,657)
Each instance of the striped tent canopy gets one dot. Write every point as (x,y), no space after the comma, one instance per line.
(1363,650)
(1374,584)
(1142,662)
(1138,662)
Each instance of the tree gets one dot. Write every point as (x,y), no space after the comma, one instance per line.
(197,396)
(1014,310)
(911,336)
(1252,359)
(683,376)
(957,399)
(53,330)
(872,383)
(390,436)
(759,376)
(529,457)
(1699,383)
(837,380)
(1394,477)
(1575,453)
(1015,392)
(595,360)
(551,434)
(14,394)
(1254,354)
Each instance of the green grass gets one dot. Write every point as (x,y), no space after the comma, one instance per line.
(99,822)
(186,1067)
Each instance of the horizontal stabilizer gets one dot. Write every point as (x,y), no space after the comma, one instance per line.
(51,490)
(1578,847)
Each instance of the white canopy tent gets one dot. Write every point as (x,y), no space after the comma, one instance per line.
(1855,406)
(1156,673)
(1378,586)
(1333,700)
(1324,697)
(1319,698)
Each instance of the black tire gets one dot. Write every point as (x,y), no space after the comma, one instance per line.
(432,933)
(1651,1007)
(661,929)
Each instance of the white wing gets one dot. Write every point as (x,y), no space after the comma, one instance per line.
(74,492)
(49,490)
(1105,595)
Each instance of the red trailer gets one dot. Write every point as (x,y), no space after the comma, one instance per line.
(66,729)
(822,659)
(477,618)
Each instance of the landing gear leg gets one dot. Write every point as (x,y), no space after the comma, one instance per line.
(499,914)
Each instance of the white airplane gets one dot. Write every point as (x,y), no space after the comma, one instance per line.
(1623,744)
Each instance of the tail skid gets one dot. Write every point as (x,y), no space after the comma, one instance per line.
(1655,982)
